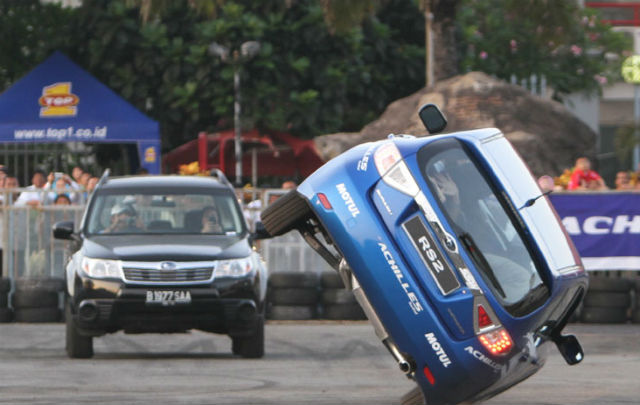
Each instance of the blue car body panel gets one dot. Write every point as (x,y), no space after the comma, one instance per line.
(426,294)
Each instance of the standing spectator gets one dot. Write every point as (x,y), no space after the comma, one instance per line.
(11,182)
(34,196)
(583,178)
(76,173)
(623,181)
(91,184)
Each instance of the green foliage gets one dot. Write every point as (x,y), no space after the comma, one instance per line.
(305,80)
(29,31)
(557,39)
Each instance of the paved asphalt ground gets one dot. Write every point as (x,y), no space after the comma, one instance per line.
(306,363)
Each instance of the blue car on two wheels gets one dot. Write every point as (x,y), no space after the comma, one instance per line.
(453,251)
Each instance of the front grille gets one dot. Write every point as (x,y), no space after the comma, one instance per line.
(168,276)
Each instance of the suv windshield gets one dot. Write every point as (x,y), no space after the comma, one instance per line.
(122,212)
(482,224)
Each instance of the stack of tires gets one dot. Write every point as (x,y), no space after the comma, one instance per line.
(608,300)
(337,302)
(6,315)
(292,296)
(37,299)
(636,310)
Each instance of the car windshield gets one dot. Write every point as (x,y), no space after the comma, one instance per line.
(155,213)
(479,218)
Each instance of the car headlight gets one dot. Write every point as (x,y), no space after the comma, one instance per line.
(234,267)
(101,268)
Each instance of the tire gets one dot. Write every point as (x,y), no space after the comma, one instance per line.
(285,213)
(610,284)
(331,279)
(607,299)
(292,312)
(293,296)
(250,347)
(413,397)
(636,316)
(338,296)
(604,315)
(293,280)
(351,312)
(5,285)
(6,315)
(77,345)
(36,315)
(34,298)
(4,300)
(54,284)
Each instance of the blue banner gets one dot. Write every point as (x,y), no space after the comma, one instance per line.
(605,227)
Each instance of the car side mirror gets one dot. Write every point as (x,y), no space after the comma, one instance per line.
(63,230)
(569,348)
(432,118)
(260,232)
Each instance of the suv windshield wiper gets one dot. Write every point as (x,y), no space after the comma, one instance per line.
(480,260)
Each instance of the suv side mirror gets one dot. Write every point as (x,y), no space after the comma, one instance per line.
(63,230)
(432,118)
(569,348)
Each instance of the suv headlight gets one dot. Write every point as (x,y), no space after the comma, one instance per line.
(234,267)
(102,268)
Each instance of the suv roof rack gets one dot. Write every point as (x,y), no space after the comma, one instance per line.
(219,175)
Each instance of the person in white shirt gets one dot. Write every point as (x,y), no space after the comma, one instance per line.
(34,197)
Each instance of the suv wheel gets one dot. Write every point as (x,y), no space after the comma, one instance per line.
(250,347)
(78,346)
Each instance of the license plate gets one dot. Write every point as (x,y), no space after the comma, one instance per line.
(168,297)
(431,255)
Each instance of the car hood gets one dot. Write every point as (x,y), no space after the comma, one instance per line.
(166,247)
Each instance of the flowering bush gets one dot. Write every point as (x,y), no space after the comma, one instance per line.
(557,39)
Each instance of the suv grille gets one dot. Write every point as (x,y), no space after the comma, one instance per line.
(168,276)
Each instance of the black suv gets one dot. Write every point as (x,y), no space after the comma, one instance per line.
(163,254)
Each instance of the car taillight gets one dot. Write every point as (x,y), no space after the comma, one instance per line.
(429,375)
(394,170)
(484,321)
(497,341)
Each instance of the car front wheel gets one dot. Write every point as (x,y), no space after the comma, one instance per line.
(250,347)
(78,346)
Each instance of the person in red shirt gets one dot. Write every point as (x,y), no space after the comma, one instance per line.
(583,178)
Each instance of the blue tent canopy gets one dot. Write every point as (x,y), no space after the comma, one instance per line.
(60,102)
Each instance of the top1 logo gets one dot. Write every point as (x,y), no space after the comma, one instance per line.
(58,101)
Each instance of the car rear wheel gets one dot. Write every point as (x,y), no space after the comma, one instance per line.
(250,347)
(285,214)
(78,346)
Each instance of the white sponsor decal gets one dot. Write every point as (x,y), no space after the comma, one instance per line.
(602,225)
(384,202)
(414,304)
(437,347)
(431,254)
(353,208)
(480,356)
(364,162)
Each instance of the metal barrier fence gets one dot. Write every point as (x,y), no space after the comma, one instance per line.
(30,251)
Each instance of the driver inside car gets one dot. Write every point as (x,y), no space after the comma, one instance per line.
(210,221)
(123,219)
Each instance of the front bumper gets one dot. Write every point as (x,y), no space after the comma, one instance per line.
(100,307)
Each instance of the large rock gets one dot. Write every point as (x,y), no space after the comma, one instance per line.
(547,135)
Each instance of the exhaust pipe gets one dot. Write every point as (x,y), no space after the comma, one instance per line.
(407,366)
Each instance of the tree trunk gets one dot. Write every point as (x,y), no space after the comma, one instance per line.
(445,52)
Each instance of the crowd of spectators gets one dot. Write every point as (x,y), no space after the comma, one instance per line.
(55,188)
(583,178)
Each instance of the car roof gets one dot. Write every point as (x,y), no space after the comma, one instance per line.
(163,182)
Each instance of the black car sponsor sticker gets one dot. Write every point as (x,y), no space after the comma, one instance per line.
(431,255)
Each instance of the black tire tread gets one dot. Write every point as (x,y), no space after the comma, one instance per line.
(77,345)
(292,312)
(55,284)
(331,279)
(607,299)
(35,298)
(338,296)
(6,315)
(611,284)
(298,279)
(603,315)
(352,312)
(251,347)
(36,315)
(285,213)
(293,296)
(5,285)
